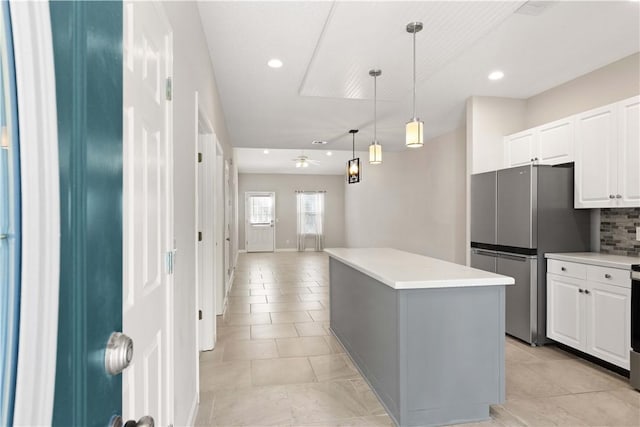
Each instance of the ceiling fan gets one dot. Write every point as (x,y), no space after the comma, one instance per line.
(303,161)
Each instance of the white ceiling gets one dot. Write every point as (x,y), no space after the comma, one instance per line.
(254,160)
(324,89)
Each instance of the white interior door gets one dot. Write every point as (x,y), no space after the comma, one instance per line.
(227,227)
(219,271)
(204,242)
(259,221)
(148,212)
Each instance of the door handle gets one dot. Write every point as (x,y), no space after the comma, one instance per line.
(227,239)
(146,421)
(491,254)
(118,354)
(607,276)
(513,257)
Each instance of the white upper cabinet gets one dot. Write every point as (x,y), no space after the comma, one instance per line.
(549,144)
(555,142)
(608,155)
(596,178)
(520,148)
(629,153)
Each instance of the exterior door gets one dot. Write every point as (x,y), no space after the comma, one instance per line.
(10,234)
(259,222)
(148,212)
(88,78)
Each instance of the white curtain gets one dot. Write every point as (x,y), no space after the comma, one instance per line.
(300,229)
(310,224)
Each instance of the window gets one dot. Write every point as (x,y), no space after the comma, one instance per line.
(260,209)
(310,211)
(311,223)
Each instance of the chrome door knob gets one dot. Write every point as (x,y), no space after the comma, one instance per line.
(145,421)
(118,354)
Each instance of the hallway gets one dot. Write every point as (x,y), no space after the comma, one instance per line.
(276,363)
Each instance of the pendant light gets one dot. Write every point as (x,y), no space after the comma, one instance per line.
(353,165)
(414,126)
(375,149)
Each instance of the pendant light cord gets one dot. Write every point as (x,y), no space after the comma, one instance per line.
(353,146)
(375,111)
(414,74)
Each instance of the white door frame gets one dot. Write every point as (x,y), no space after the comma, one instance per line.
(248,194)
(38,331)
(204,249)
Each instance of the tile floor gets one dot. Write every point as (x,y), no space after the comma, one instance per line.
(276,363)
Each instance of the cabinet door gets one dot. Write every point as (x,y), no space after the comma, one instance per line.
(609,323)
(555,142)
(565,311)
(628,194)
(520,148)
(596,160)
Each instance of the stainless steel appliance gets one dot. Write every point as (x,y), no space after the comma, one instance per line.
(517,215)
(634,360)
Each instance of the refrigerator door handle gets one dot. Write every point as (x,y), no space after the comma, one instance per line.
(486,253)
(513,257)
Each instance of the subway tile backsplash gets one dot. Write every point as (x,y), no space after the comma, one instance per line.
(618,231)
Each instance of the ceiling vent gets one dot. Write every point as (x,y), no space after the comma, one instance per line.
(534,7)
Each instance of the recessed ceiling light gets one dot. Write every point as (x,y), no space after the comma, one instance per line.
(329,153)
(266,151)
(496,75)
(318,142)
(274,63)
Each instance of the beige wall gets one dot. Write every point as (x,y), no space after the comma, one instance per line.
(193,73)
(614,82)
(414,201)
(285,185)
(489,119)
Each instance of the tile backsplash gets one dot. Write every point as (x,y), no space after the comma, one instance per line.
(618,231)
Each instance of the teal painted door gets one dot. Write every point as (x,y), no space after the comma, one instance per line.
(10,231)
(87,39)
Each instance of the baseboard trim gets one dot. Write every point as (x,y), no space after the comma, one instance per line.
(242,251)
(286,250)
(193,413)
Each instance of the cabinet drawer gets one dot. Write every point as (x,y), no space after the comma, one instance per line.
(568,269)
(612,276)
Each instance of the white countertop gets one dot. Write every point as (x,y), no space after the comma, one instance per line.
(404,270)
(596,258)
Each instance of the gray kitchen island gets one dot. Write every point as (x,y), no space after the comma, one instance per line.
(428,335)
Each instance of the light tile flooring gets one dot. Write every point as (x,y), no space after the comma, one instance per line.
(276,363)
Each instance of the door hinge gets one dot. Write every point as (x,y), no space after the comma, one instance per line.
(199,314)
(168,89)
(199,236)
(169,261)
(199,157)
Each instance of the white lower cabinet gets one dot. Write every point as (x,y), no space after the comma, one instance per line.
(589,315)
(608,315)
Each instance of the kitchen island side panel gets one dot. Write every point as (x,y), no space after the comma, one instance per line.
(454,353)
(364,317)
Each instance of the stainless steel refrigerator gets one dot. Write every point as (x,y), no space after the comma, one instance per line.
(517,215)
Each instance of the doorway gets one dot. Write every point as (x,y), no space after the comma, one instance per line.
(205,234)
(260,221)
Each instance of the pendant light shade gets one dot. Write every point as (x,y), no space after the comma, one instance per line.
(353,165)
(375,149)
(414,134)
